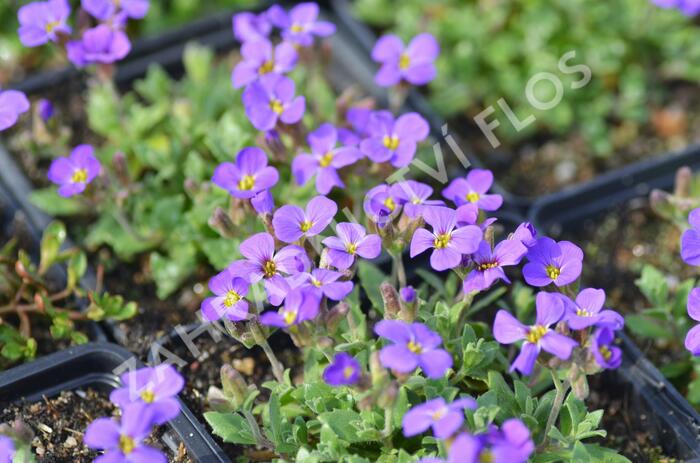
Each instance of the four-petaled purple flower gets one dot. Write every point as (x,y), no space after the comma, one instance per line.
(352,240)
(41,22)
(261,59)
(248,176)
(301,24)
(249,27)
(473,189)
(526,233)
(415,345)
(12,104)
(587,310)
(415,63)
(325,160)
(605,353)
(507,330)
(692,339)
(123,442)
(325,283)
(7,449)
(488,264)
(229,302)
(344,371)
(74,172)
(291,223)
(382,205)
(155,387)
(107,9)
(271,98)
(444,418)
(509,444)
(414,196)
(101,44)
(394,141)
(553,262)
(690,241)
(449,243)
(300,305)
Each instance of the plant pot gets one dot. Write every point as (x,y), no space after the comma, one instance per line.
(93,365)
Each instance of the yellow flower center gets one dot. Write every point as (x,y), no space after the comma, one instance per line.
(391,143)
(439,413)
(441,241)
(276,106)
(535,334)
(404,61)
(487,265)
(414,347)
(553,272)
(296,28)
(126,444)
(270,269)
(416,200)
(583,313)
(306,225)
(316,283)
(473,197)
(51,25)
(148,396)
(326,159)
(289,316)
(246,183)
(605,352)
(351,248)
(231,298)
(79,176)
(390,203)
(266,68)
(486,457)
(348,372)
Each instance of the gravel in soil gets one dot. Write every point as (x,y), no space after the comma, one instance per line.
(58,424)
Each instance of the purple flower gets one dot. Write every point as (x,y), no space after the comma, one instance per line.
(291,223)
(299,306)
(108,9)
(44,108)
(414,196)
(74,172)
(325,160)
(260,59)
(415,345)
(449,243)
(553,262)
(488,264)
(325,283)
(123,442)
(156,388)
(381,205)
(249,27)
(394,141)
(12,104)
(300,24)
(587,311)
(472,189)
(101,44)
(408,294)
(692,339)
(263,202)
(248,176)
(414,64)
(687,7)
(41,22)
(510,444)
(230,296)
(444,418)
(344,371)
(271,99)
(352,240)
(690,241)
(7,449)
(605,353)
(526,233)
(507,330)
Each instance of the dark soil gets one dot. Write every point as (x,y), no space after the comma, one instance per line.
(58,425)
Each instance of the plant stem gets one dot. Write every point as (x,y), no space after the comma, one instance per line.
(255,429)
(277,367)
(399,269)
(561,388)
(388,426)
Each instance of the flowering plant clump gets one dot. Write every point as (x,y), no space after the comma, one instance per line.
(29,294)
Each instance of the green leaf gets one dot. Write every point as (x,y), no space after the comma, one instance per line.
(231,427)
(49,201)
(170,271)
(198,62)
(51,241)
(370,278)
(77,266)
(343,423)
(653,285)
(106,306)
(648,327)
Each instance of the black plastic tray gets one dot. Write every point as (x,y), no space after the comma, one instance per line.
(93,365)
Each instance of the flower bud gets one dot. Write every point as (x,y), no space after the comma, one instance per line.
(275,145)
(377,372)
(335,316)
(222,223)
(120,167)
(391,301)
(387,397)
(684,181)
(234,385)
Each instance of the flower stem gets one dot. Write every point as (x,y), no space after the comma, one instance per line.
(399,269)
(255,429)
(562,389)
(388,426)
(277,367)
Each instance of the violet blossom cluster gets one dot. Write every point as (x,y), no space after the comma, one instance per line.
(690,253)
(147,398)
(104,43)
